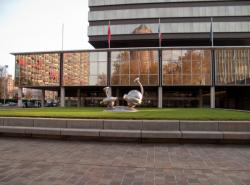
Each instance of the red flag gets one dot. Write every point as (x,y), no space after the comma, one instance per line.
(109,34)
(159,32)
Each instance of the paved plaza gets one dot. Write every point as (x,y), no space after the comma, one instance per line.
(59,162)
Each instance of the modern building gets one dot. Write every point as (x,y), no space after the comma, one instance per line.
(7,87)
(134,23)
(187,70)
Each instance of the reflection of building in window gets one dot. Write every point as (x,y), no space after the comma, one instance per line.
(186,67)
(142,29)
(232,66)
(76,69)
(127,65)
(85,68)
(37,69)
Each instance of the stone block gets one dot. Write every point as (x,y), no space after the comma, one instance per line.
(236,135)
(80,132)
(161,125)
(85,123)
(19,122)
(2,121)
(121,133)
(10,129)
(50,123)
(123,124)
(201,135)
(43,131)
(161,134)
(234,126)
(199,125)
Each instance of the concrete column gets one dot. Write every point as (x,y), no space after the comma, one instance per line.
(43,98)
(212,97)
(117,95)
(78,97)
(200,99)
(19,97)
(62,97)
(159,97)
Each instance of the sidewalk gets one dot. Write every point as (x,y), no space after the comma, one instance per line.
(57,162)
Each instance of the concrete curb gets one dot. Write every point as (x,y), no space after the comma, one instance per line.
(134,129)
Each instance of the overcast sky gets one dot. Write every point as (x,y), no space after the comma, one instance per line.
(36,25)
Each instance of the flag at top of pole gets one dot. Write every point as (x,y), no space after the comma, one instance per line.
(159,32)
(211,32)
(109,34)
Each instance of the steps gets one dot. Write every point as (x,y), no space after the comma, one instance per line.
(127,129)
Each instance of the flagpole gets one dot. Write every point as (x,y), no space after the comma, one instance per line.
(159,32)
(160,66)
(109,35)
(62,34)
(212,32)
(212,88)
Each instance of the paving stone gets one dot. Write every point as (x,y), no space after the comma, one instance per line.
(20,122)
(80,132)
(123,124)
(43,131)
(121,133)
(37,162)
(9,129)
(199,125)
(85,123)
(160,125)
(2,121)
(236,135)
(240,126)
(51,123)
(161,134)
(201,135)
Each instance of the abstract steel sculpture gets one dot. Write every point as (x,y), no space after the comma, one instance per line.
(134,97)
(109,100)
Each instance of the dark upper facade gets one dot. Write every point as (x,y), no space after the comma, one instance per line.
(134,23)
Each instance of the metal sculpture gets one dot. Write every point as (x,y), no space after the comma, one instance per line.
(134,97)
(109,100)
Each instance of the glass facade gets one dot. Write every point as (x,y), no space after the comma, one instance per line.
(180,67)
(186,67)
(232,66)
(85,68)
(128,65)
(37,69)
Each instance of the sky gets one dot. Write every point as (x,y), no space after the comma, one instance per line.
(36,25)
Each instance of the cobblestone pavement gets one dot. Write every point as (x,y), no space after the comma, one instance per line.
(57,162)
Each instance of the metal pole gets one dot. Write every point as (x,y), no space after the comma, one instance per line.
(212,88)
(4,94)
(4,83)
(160,79)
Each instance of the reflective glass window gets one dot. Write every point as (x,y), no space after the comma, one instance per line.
(186,67)
(128,65)
(232,66)
(85,68)
(37,70)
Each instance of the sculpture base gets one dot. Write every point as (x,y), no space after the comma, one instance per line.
(120,109)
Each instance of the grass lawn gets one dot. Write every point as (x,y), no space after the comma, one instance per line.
(143,113)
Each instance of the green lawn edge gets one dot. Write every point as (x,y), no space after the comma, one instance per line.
(142,114)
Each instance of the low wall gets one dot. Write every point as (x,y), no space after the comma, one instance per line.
(134,129)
